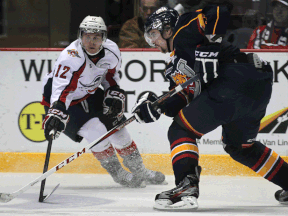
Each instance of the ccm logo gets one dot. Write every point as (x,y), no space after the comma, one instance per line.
(57,112)
(71,158)
(117,94)
(206,54)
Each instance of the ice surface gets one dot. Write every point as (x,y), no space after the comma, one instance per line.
(98,195)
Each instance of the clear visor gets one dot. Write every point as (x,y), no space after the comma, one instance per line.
(91,30)
(151,37)
(102,33)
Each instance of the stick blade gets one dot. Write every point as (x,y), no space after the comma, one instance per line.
(44,198)
(5,197)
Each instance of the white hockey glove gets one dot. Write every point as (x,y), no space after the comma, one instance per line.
(114,102)
(55,120)
(143,110)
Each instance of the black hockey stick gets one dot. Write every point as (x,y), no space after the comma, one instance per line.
(46,164)
(6,197)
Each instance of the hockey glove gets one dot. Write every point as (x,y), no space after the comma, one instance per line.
(114,102)
(143,110)
(55,121)
(206,61)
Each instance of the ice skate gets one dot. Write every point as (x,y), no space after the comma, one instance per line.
(182,197)
(151,177)
(282,196)
(115,169)
(133,161)
(127,179)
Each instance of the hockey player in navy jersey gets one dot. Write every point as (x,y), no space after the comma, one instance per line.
(233,92)
(76,104)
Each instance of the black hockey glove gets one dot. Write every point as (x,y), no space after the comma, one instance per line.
(206,61)
(114,102)
(55,121)
(143,110)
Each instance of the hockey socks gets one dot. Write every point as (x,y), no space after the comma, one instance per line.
(184,152)
(263,161)
(133,161)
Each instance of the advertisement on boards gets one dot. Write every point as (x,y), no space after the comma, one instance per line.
(21,113)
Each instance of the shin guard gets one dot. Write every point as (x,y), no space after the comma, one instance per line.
(263,161)
(133,161)
(184,152)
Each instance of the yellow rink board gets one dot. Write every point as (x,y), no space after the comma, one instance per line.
(86,163)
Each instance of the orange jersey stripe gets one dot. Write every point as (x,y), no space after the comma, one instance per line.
(184,120)
(276,170)
(184,26)
(184,147)
(268,165)
(184,156)
(216,20)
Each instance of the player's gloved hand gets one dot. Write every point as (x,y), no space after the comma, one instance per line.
(55,120)
(143,110)
(206,61)
(114,102)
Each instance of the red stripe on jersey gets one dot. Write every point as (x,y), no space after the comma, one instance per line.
(74,102)
(185,139)
(276,170)
(110,75)
(73,83)
(43,102)
(261,159)
(184,156)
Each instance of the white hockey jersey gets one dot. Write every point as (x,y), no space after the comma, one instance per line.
(75,75)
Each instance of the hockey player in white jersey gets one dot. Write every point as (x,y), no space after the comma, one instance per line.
(76,104)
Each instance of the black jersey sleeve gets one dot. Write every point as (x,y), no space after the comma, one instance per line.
(217,19)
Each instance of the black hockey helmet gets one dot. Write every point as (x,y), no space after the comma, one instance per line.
(284,2)
(160,19)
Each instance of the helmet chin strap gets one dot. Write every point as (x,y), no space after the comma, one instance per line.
(101,47)
(167,42)
(168,45)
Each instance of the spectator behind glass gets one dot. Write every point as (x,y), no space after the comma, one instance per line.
(274,35)
(240,37)
(132,32)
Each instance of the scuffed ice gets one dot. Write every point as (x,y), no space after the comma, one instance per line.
(89,194)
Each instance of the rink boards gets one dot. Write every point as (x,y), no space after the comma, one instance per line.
(22,139)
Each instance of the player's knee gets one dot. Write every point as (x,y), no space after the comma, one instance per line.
(121,139)
(238,152)
(232,150)
(91,131)
(176,132)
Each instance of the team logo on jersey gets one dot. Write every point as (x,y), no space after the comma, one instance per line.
(276,123)
(30,121)
(73,53)
(90,88)
(178,77)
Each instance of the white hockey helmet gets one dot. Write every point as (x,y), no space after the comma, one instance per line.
(93,24)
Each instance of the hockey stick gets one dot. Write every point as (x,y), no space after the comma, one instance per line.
(46,164)
(6,197)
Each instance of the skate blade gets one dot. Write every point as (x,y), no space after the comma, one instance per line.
(161,183)
(188,203)
(283,203)
(142,185)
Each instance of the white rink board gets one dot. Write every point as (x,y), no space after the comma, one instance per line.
(16,93)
